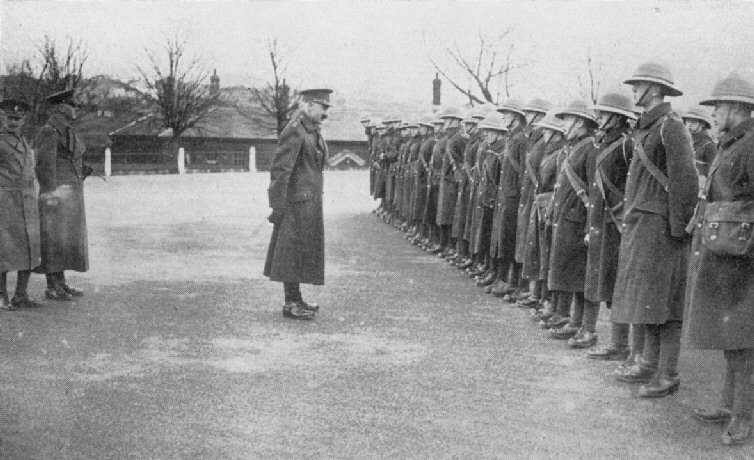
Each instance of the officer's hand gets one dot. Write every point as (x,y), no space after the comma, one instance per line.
(586,239)
(277,216)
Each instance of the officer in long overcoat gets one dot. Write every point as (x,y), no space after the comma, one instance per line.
(569,220)
(606,190)
(419,200)
(61,172)
(503,239)
(661,193)
(297,248)
(721,286)
(19,209)
(473,183)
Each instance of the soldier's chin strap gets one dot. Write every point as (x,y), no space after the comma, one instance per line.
(608,122)
(641,99)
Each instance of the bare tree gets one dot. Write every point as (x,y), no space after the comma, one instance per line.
(591,81)
(487,69)
(276,100)
(177,91)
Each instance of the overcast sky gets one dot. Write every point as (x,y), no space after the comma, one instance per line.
(379,48)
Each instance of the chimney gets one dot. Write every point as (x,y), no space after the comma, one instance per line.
(436,83)
(214,84)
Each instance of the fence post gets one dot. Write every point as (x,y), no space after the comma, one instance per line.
(181,161)
(108,162)
(252,159)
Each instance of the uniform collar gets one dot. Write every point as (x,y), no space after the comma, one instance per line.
(653,115)
(308,123)
(613,135)
(516,131)
(737,132)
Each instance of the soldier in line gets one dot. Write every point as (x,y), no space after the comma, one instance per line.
(400,171)
(61,173)
(390,155)
(19,208)
(418,134)
(473,176)
(721,281)
(661,192)
(434,171)
(569,221)
(699,123)
(365,121)
(421,184)
(503,239)
(453,156)
(539,231)
(535,112)
(297,247)
(380,166)
(608,181)
(463,175)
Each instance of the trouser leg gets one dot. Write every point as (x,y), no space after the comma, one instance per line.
(591,312)
(564,303)
(727,393)
(292,292)
(670,348)
(514,276)
(619,335)
(22,283)
(52,280)
(651,354)
(638,340)
(4,288)
(743,396)
(577,310)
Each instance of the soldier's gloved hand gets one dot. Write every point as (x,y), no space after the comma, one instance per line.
(277,216)
(586,239)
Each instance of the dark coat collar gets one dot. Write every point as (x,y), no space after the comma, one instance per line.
(737,132)
(650,117)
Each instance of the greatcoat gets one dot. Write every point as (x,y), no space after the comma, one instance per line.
(435,177)
(569,216)
(463,175)
(529,180)
(649,287)
(19,210)
(297,248)
(454,146)
(380,173)
(474,178)
(484,200)
(503,239)
(61,173)
(605,205)
(419,199)
(721,288)
(704,151)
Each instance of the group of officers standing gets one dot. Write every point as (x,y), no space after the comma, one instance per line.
(42,216)
(623,202)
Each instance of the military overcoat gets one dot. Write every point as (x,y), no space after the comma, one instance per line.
(721,288)
(473,178)
(380,173)
(454,146)
(19,210)
(503,239)
(60,172)
(704,151)
(529,180)
(569,216)
(484,200)
(606,201)
(419,199)
(463,175)
(435,177)
(297,248)
(649,287)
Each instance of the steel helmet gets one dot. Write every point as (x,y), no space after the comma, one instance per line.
(698,113)
(427,120)
(493,121)
(365,118)
(551,121)
(616,102)
(538,105)
(514,106)
(655,72)
(451,112)
(734,88)
(578,108)
(394,118)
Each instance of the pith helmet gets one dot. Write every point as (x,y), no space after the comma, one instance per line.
(378,124)
(538,105)
(578,108)
(394,118)
(412,123)
(551,121)
(471,117)
(427,120)
(479,114)
(731,89)
(700,114)
(618,103)
(493,121)
(451,112)
(514,106)
(655,72)
(365,118)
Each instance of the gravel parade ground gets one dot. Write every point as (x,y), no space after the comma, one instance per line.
(179,349)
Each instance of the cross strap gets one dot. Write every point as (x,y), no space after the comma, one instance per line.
(577,184)
(530,167)
(652,168)
(601,178)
